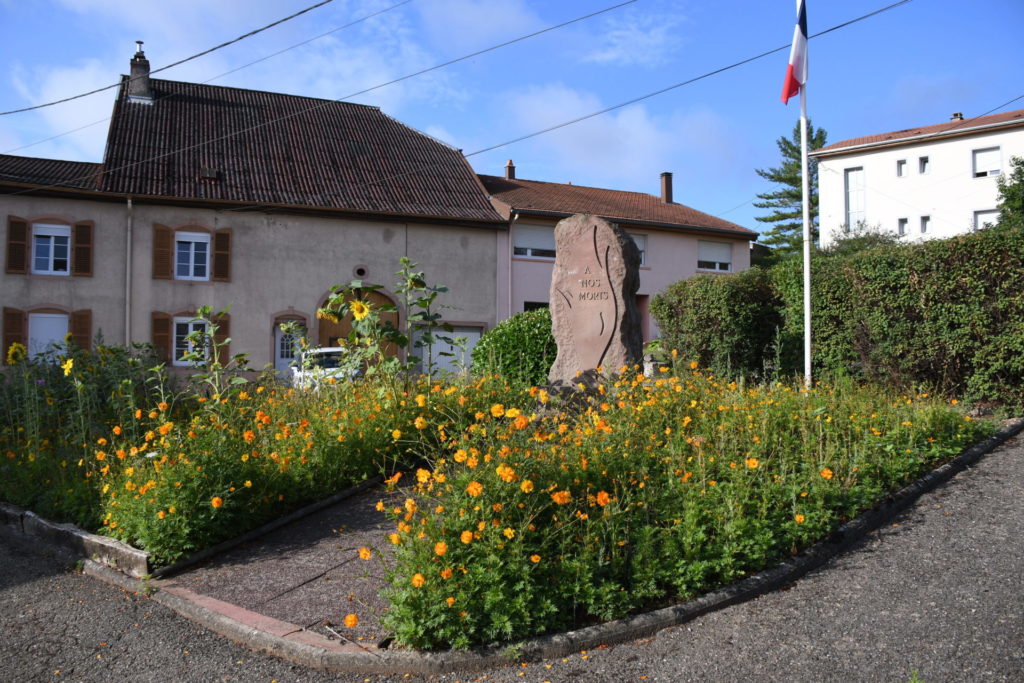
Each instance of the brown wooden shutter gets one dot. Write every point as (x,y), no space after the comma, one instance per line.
(81,328)
(162,335)
(81,243)
(163,252)
(14,329)
(222,255)
(222,336)
(17,245)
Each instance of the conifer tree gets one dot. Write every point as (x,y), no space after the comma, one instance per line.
(786,203)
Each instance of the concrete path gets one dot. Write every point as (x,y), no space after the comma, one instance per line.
(939,592)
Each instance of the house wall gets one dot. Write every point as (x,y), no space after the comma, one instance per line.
(280,265)
(670,256)
(948,193)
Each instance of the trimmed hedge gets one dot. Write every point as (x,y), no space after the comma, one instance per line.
(946,314)
(520,348)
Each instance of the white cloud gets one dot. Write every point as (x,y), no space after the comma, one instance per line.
(637,39)
(465,25)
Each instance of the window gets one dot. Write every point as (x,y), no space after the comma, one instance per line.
(51,249)
(923,165)
(986,162)
(535,241)
(641,244)
(901,226)
(901,168)
(925,222)
(443,355)
(45,329)
(39,329)
(191,256)
(985,219)
(854,184)
(716,256)
(534,305)
(183,327)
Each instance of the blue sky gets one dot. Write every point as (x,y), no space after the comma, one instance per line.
(913,65)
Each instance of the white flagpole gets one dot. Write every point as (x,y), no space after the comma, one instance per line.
(807,234)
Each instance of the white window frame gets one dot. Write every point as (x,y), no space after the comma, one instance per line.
(980,218)
(191,263)
(926,222)
(709,256)
(641,243)
(924,164)
(992,162)
(51,233)
(901,168)
(855,196)
(533,242)
(901,226)
(180,346)
(37,346)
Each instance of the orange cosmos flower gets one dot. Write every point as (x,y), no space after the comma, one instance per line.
(535,558)
(466,537)
(603,498)
(827,473)
(440,548)
(799,519)
(351,620)
(446,573)
(526,486)
(450,601)
(475,488)
(753,463)
(497,410)
(216,501)
(365,553)
(420,423)
(418,580)
(561,497)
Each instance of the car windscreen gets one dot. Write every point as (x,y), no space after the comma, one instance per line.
(325,360)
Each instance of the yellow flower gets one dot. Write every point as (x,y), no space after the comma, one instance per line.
(420,423)
(693,365)
(396,434)
(248,484)
(161,514)
(506,473)
(365,553)
(827,473)
(422,475)
(512,412)
(16,353)
(440,548)
(475,488)
(466,537)
(450,600)
(395,538)
(509,532)
(799,519)
(753,463)
(216,501)
(351,620)
(421,400)
(67,365)
(418,580)
(359,310)
(497,410)
(526,486)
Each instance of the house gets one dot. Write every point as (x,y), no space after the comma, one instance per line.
(259,203)
(218,196)
(675,241)
(928,182)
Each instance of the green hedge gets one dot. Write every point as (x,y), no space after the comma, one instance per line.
(946,314)
(520,348)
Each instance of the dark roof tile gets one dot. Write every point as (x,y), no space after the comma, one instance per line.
(49,172)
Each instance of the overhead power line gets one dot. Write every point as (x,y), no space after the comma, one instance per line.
(186,59)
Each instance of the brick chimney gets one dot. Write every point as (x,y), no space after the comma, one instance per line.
(510,170)
(138,83)
(666,187)
(957,116)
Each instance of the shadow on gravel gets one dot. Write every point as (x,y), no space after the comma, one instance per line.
(20,567)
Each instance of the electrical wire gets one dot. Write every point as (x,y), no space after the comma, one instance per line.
(182,61)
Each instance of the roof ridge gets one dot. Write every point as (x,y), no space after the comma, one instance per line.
(261,92)
(585,187)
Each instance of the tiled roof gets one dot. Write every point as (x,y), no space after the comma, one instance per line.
(213,143)
(533,195)
(954,127)
(51,172)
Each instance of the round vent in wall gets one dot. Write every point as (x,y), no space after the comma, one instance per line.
(360,271)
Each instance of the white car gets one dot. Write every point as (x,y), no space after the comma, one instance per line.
(317,365)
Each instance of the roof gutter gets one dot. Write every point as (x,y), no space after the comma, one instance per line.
(653,224)
(951,132)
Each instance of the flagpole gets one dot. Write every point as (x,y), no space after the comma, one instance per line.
(807,235)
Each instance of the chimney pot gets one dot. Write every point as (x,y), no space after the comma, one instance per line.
(510,170)
(138,79)
(666,187)
(957,116)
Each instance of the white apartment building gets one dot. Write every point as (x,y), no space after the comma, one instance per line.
(923,183)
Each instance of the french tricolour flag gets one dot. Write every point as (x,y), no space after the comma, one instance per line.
(796,73)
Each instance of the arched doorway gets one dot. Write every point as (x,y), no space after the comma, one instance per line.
(330,332)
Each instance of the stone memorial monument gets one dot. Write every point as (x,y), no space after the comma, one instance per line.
(594,317)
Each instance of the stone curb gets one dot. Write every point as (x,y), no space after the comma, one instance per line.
(294,643)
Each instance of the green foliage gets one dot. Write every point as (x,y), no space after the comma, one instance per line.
(521,348)
(944,314)
(724,322)
(786,203)
(1011,193)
